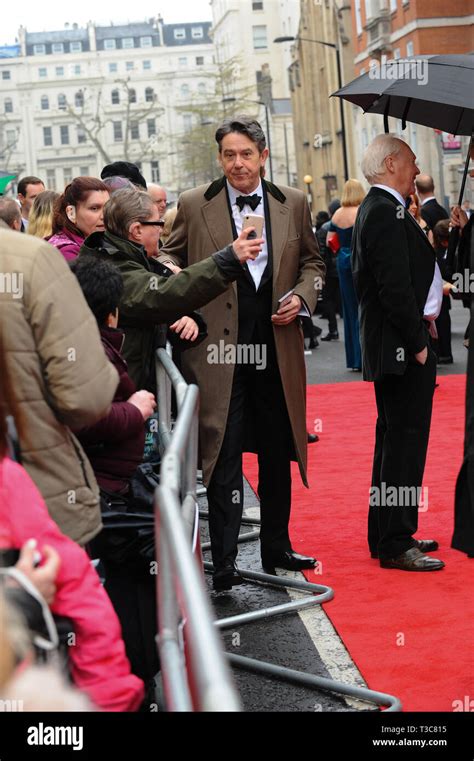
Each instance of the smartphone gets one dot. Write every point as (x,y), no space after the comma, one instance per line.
(254,220)
(283,299)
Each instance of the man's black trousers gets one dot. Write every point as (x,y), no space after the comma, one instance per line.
(404,404)
(257,398)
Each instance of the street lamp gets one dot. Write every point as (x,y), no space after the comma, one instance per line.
(260,103)
(307,179)
(339,82)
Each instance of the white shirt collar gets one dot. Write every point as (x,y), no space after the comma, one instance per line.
(431,198)
(233,193)
(394,193)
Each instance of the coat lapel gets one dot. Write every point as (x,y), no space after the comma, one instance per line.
(217,219)
(279,220)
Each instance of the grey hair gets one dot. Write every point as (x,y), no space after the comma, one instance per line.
(247,126)
(373,160)
(9,211)
(124,207)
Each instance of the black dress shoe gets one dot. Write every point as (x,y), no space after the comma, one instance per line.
(424,545)
(225,578)
(312,438)
(444,360)
(316,331)
(313,343)
(289,560)
(331,336)
(413,560)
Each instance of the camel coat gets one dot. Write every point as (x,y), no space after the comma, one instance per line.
(203,226)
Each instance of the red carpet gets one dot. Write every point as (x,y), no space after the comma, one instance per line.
(410,634)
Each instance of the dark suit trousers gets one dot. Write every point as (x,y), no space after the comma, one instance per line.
(258,394)
(404,404)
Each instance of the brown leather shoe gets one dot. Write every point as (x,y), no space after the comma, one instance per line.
(425,545)
(413,560)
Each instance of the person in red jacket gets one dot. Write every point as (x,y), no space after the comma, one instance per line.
(99,666)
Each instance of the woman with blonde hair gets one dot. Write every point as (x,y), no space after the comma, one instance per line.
(339,241)
(168,218)
(40,223)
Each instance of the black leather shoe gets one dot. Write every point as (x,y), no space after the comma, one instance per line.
(289,560)
(316,331)
(313,343)
(312,438)
(331,337)
(225,578)
(424,545)
(413,560)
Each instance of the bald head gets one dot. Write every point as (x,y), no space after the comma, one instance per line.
(424,186)
(10,213)
(158,196)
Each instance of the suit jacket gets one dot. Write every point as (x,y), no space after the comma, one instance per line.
(203,225)
(432,212)
(393,267)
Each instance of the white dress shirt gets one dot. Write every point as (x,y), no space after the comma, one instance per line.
(435,294)
(256,266)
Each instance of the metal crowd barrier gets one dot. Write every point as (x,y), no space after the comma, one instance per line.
(195,673)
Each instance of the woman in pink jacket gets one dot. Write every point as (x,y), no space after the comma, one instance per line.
(78,213)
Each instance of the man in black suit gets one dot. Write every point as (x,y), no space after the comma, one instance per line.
(399,288)
(430,210)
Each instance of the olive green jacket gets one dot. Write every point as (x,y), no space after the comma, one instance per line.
(149,299)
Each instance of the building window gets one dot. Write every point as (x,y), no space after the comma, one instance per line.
(185,91)
(75,47)
(115,97)
(393,6)
(8,106)
(200,60)
(81,136)
(155,171)
(134,131)
(183,61)
(127,42)
(257,5)
(64,130)
(151,127)
(42,73)
(44,103)
(51,179)
(187,122)
(67,175)
(180,34)
(62,104)
(47,136)
(6,74)
(57,47)
(39,49)
(146,42)
(59,71)
(77,69)
(259,37)
(11,136)
(410,49)
(132,96)
(358,17)
(202,88)
(109,45)
(84,171)
(118,133)
(113,68)
(129,65)
(396,54)
(149,95)
(146,65)
(197,33)
(79,99)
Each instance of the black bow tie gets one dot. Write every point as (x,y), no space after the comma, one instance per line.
(252,201)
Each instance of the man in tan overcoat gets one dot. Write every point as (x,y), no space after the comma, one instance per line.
(250,370)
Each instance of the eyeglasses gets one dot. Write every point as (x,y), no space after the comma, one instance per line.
(158,223)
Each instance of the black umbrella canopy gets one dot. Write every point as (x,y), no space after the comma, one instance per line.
(435,91)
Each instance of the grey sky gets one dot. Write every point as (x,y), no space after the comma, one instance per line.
(53,14)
